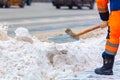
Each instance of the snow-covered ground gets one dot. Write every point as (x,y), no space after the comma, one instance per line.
(24,57)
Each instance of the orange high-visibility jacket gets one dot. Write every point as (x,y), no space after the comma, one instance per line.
(103,7)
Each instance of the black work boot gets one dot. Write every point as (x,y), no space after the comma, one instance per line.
(106,69)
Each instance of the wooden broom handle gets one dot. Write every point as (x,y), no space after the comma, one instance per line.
(86,30)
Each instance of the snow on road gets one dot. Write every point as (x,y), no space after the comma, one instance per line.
(24,57)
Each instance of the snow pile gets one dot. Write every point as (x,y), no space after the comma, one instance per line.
(3,32)
(22,34)
(21,59)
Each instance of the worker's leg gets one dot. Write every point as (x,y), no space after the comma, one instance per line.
(108,55)
(111,47)
(112,43)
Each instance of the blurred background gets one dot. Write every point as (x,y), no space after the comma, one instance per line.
(46,18)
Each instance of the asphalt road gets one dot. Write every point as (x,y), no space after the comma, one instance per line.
(44,17)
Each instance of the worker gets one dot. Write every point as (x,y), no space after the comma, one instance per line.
(110,16)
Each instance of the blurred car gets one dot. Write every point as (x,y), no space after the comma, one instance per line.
(71,3)
(8,3)
(28,2)
(2,2)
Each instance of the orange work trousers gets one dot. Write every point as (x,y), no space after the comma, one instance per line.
(112,42)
